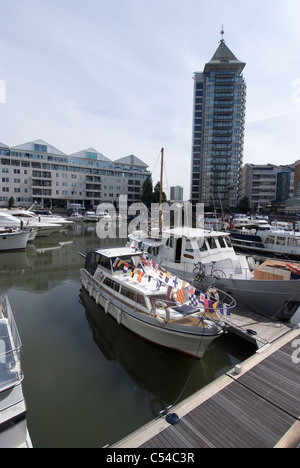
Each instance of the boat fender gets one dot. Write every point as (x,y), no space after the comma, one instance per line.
(119,316)
(251,263)
(107,306)
(98,298)
(213,293)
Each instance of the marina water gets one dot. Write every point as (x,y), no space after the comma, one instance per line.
(89,382)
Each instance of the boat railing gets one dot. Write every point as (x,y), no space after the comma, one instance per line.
(10,348)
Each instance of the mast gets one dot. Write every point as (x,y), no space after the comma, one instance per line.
(161,190)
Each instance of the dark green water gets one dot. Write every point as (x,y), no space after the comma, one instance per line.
(89,382)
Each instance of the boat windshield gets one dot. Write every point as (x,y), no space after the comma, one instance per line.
(10,348)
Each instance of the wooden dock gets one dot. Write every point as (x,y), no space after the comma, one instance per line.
(255,328)
(256,405)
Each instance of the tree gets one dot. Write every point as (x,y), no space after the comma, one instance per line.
(155,198)
(11,203)
(147,194)
(244,205)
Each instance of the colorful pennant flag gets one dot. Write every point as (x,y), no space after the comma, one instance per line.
(175,282)
(140,276)
(169,292)
(126,268)
(133,273)
(180,296)
(167,278)
(115,263)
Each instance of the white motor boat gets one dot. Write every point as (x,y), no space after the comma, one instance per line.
(208,259)
(76,217)
(30,220)
(7,221)
(147,300)
(12,240)
(90,217)
(260,237)
(13,426)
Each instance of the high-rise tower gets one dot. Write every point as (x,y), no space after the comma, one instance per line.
(218,129)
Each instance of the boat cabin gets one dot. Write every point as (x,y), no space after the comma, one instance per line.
(181,245)
(105,259)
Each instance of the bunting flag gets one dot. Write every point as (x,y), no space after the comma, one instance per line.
(126,268)
(140,276)
(175,282)
(208,305)
(133,273)
(224,309)
(169,292)
(156,267)
(145,260)
(158,284)
(183,285)
(115,263)
(161,274)
(149,278)
(167,278)
(193,300)
(180,296)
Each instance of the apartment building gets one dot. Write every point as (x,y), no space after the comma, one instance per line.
(218,129)
(38,172)
(267,184)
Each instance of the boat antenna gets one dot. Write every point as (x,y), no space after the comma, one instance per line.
(161,190)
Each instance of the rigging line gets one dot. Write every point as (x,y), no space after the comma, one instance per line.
(182,167)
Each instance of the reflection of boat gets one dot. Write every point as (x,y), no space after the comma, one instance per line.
(209,258)
(13,427)
(142,299)
(13,239)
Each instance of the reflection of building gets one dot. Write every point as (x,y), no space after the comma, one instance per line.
(218,129)
(38,172)
(176,193)
(266,184)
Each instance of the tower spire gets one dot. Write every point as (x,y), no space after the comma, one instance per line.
(222,41)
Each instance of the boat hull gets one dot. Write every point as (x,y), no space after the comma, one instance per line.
(279,299)
(12,242)
(192,343)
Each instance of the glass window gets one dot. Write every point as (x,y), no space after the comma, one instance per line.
(211,243)
(105,262)
(222,242)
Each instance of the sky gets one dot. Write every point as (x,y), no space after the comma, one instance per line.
(117,76)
